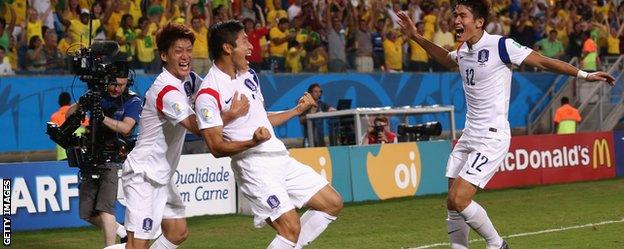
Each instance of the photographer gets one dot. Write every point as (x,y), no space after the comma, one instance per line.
(120,110)
(380,132)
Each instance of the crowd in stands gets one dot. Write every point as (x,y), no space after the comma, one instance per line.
(39,36)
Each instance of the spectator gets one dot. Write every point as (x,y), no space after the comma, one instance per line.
(418,56)
(71,11)
(364,47)
(254,35)
(274,16)
(566,117)
(317,125)
(294,57)
(317,60)
(252,11)
(79,29)
(55,61)
(550,46)
(393,51)
(294,9)
(201,61)
(6,31)
(443,38)
(35,57)
(125,36)
(280,36)
(35,22)
(145,45)
(613,41)
(575,41)
(494,26)
(377,37)
(336,41)
(379,132)
(5,66)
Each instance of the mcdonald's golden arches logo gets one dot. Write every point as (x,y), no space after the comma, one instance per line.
(601,153)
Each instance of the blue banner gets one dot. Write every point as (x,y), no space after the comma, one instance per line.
(618,146)
(26,103)
(44,195)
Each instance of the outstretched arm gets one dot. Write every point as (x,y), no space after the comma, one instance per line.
(537,60)
(305,103)
(438,53)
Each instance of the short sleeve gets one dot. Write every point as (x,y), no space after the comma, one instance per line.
(133,108)
(173,104)
(208,109)
(516,52)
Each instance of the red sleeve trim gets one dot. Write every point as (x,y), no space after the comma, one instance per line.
(161,94)
(213,93)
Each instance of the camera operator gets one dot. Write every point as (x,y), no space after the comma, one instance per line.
(380,132)
(120,111)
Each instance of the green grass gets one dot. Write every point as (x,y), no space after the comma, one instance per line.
(412,222)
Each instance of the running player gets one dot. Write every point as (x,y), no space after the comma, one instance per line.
(274,182)
(484,64)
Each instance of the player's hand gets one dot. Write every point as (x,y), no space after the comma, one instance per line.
(601,76)
(261,135)
(240,106)
(305,102)
(407,25)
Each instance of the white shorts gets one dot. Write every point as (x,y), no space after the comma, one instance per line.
(476,159)
(147,203)
(275,184)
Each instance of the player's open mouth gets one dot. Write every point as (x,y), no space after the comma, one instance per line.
(458,32)
(184,65)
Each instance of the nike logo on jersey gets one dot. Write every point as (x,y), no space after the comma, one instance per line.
(228,101)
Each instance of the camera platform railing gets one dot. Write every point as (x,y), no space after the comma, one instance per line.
(359,113)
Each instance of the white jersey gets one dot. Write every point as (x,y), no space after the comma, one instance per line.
(215,97)
(487,83)
(167,102)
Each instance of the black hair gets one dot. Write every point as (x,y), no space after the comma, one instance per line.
(223,33)
(31,42)
(293,43)
(64,99)
(170,33)
(282,20)
(478,8)
(313,86)
(565,100)
(124,17)
(142,19)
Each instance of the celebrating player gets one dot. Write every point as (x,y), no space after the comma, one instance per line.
(273,182)
(484,64)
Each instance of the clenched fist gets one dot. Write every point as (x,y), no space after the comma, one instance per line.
(305,102)
(261,135)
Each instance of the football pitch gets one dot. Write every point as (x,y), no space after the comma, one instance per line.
(580,215)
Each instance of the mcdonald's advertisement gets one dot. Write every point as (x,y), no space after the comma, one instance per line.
(552,159)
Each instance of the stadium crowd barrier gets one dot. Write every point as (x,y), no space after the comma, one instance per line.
(45,194)
(26,102)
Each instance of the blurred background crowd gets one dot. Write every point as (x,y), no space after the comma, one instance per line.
(39,36)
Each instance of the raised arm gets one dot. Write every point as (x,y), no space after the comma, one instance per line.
(305,103)
(544,63)
(438,53)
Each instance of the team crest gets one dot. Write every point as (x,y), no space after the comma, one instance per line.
(273,201)
(251,85)
(483,56)
(147,224)
(206,114)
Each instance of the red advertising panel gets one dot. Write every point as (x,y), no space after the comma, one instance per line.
(549,159)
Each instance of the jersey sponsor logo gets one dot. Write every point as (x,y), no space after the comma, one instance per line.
(147,224)
(177,108)
(395,171)
(483,56)
(206,114)
(251,85)
(273,201)
(601,154)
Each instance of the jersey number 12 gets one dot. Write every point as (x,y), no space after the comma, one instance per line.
(470,77)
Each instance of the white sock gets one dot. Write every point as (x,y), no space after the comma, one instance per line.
(313,223)
(280,242)
(163,243)
(457,230)
(121,231)
(116,246)
(477,219)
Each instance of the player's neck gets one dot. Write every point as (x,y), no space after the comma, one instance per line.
(226,67)
(474,39)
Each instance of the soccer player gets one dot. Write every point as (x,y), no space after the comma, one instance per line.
(484,64)
(273,182)
(152,199)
